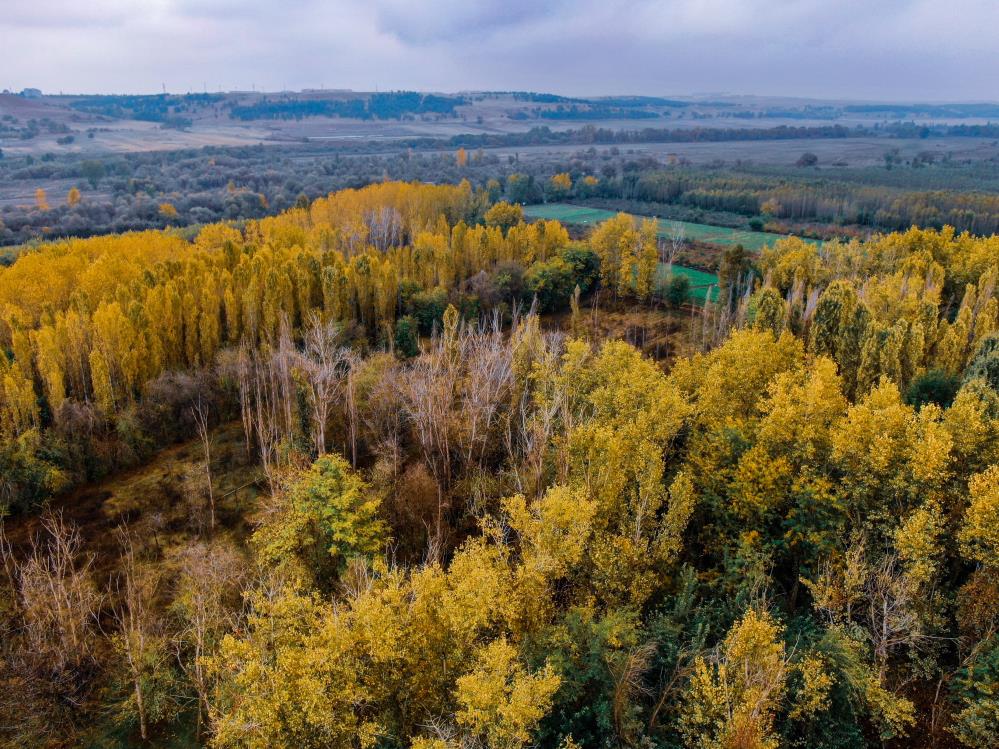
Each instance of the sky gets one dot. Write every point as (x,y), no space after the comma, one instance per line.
(887,50)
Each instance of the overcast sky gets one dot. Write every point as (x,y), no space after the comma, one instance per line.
(867,49)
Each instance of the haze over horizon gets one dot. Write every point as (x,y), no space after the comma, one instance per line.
(922,50)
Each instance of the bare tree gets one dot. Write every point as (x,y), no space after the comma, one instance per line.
(386,227)
(383,416)
(322,363)
(133,590)
(352,363)
(267,398)
(718,319)
(428,394)
(243,370)
(670,246)
(48,641)
(207,605)
(528,436)
(199,412)
(892,619)
(881,597)
(58,600)
(484,388)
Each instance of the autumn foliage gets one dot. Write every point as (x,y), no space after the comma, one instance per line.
(488,532)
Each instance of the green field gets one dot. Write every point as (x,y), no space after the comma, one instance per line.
(700,281)
(719,235)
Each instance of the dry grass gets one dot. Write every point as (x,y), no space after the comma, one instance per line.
(157,500)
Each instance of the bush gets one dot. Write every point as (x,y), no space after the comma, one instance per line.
(677,290)
(935,386)
(427,308)
(585,265)
(551,282)
(327,517)
(407,344)
(509,280)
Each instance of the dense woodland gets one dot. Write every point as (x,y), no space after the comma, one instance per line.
(86,196)
(479,523)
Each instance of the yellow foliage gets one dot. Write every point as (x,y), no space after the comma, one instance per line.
(151,301)
(732,701)
(554,530)
(618,452)
(979,535)
(500,701)
(504,215)
(792,259)
(813,698)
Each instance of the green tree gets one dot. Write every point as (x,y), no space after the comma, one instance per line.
(735,265)
(407,342)
(325,517)
(520,188)
(936,386)
(93,172)
(769,310)
(677,290)
(585,264)
(551,282)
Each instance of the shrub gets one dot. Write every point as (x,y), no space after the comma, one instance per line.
(427,308)
(585,265)
(551,282)
(407,343)
(677,290)
(935,386)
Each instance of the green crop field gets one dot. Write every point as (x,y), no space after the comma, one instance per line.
(719,235)
(700,281)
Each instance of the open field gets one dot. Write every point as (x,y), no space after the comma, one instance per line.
(701,282)
(717,235)
(93,125)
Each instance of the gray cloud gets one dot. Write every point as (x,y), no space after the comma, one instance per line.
(450,21)
(888,49)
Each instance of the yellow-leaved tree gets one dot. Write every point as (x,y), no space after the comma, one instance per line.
(733,697)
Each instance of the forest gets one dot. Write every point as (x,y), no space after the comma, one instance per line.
(87,195)
(427,499)
(396,105)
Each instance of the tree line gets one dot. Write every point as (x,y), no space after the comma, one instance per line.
(184,188)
